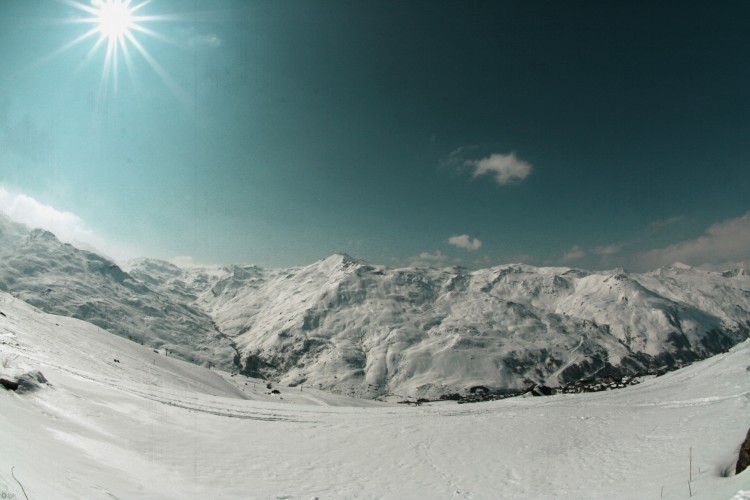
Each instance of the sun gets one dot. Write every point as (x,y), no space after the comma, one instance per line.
(116,25)
(116,19)
(115,22)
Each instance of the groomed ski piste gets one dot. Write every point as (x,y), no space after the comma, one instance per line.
(115,419)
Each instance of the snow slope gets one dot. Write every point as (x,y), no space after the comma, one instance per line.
(151,426)
(62,279)
(354,328)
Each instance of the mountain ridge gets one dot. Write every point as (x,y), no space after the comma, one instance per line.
(367,330)
(351,327)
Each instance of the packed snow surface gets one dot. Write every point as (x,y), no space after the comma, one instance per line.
(113,419)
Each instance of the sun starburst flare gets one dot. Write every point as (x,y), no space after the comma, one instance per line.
(116,25)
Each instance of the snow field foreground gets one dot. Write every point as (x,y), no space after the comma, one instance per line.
(150,426)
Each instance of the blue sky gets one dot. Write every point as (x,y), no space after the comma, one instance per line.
(588,134)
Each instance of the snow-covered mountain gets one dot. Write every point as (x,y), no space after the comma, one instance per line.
(62,279)
(347,326)
(350,327)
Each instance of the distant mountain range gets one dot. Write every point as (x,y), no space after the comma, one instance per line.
(355,328)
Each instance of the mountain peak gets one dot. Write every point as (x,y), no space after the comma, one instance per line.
(342,259)
(40,234)
(153,265)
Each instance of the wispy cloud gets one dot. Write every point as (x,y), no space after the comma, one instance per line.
(506,169)
(457,157)
(724,241)
(465,242)
(659,225)
(575,253)
(608,249)
(209,40)
(426,259)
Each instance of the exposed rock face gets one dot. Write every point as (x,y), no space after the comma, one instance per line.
(744,459)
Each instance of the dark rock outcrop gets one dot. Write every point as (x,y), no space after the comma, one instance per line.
(540,390)
(25,383)
(743,462)
(9,384)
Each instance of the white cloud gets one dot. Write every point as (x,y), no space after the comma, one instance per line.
(67,226)
(465,242)
(724,241)
(505,168)
(26,210)
(574,253)
(428,259)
